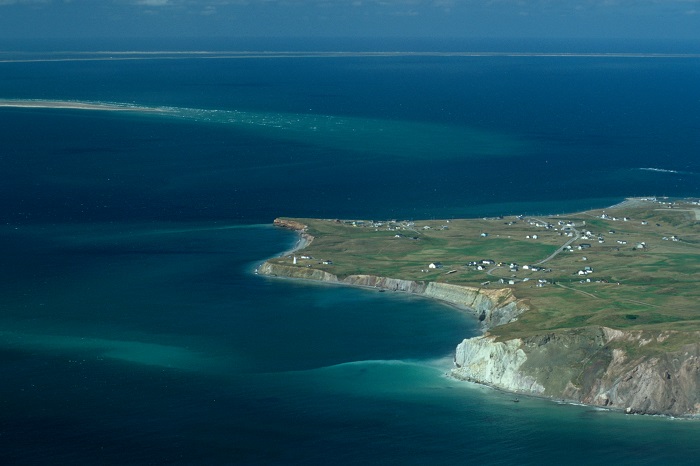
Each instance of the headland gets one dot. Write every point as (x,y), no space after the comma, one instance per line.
(596,307)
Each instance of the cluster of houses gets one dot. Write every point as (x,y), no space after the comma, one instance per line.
(605,216)
(483,264)
(307,257)
(512,281)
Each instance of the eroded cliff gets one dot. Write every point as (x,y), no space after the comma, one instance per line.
(491,307)
(634,371)
(627,370)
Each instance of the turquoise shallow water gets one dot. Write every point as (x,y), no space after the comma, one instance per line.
(156,344)
(133,331)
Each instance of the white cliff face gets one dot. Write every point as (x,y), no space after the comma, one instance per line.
(483,360)
(589,366)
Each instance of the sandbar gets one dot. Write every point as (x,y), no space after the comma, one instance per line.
(77,105)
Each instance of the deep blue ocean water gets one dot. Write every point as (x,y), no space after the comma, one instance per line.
(133,331)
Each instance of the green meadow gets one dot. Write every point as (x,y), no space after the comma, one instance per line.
(631,266)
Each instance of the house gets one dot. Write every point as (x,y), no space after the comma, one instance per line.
(435,265)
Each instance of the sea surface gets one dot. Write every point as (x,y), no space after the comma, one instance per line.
(133,329)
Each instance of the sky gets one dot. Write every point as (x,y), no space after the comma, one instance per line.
(80,19)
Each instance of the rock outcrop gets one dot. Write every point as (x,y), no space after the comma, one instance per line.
(491,307)
(304,273)
(596,366)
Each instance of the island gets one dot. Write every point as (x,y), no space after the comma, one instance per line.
(598,307)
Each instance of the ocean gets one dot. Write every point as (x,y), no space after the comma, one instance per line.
(133,329)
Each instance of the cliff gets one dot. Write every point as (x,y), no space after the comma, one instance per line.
(491,307)
(304,273)
(650,372)
(626,370)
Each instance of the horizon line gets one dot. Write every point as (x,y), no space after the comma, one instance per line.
(106,55)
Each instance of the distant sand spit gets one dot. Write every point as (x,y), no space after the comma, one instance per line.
(75,105)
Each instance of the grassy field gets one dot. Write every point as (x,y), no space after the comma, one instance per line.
(643,255)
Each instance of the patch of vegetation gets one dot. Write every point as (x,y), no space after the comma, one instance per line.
(620,270)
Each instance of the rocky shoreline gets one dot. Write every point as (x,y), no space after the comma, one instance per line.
(595,366)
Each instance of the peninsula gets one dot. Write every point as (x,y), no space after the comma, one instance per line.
(597,307)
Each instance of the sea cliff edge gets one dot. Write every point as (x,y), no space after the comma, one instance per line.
(595,365)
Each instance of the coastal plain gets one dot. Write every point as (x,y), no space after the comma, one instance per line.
(598,307)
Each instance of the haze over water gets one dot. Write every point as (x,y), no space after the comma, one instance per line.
(134,331)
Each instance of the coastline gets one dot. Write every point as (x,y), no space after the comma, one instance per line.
(589,370)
